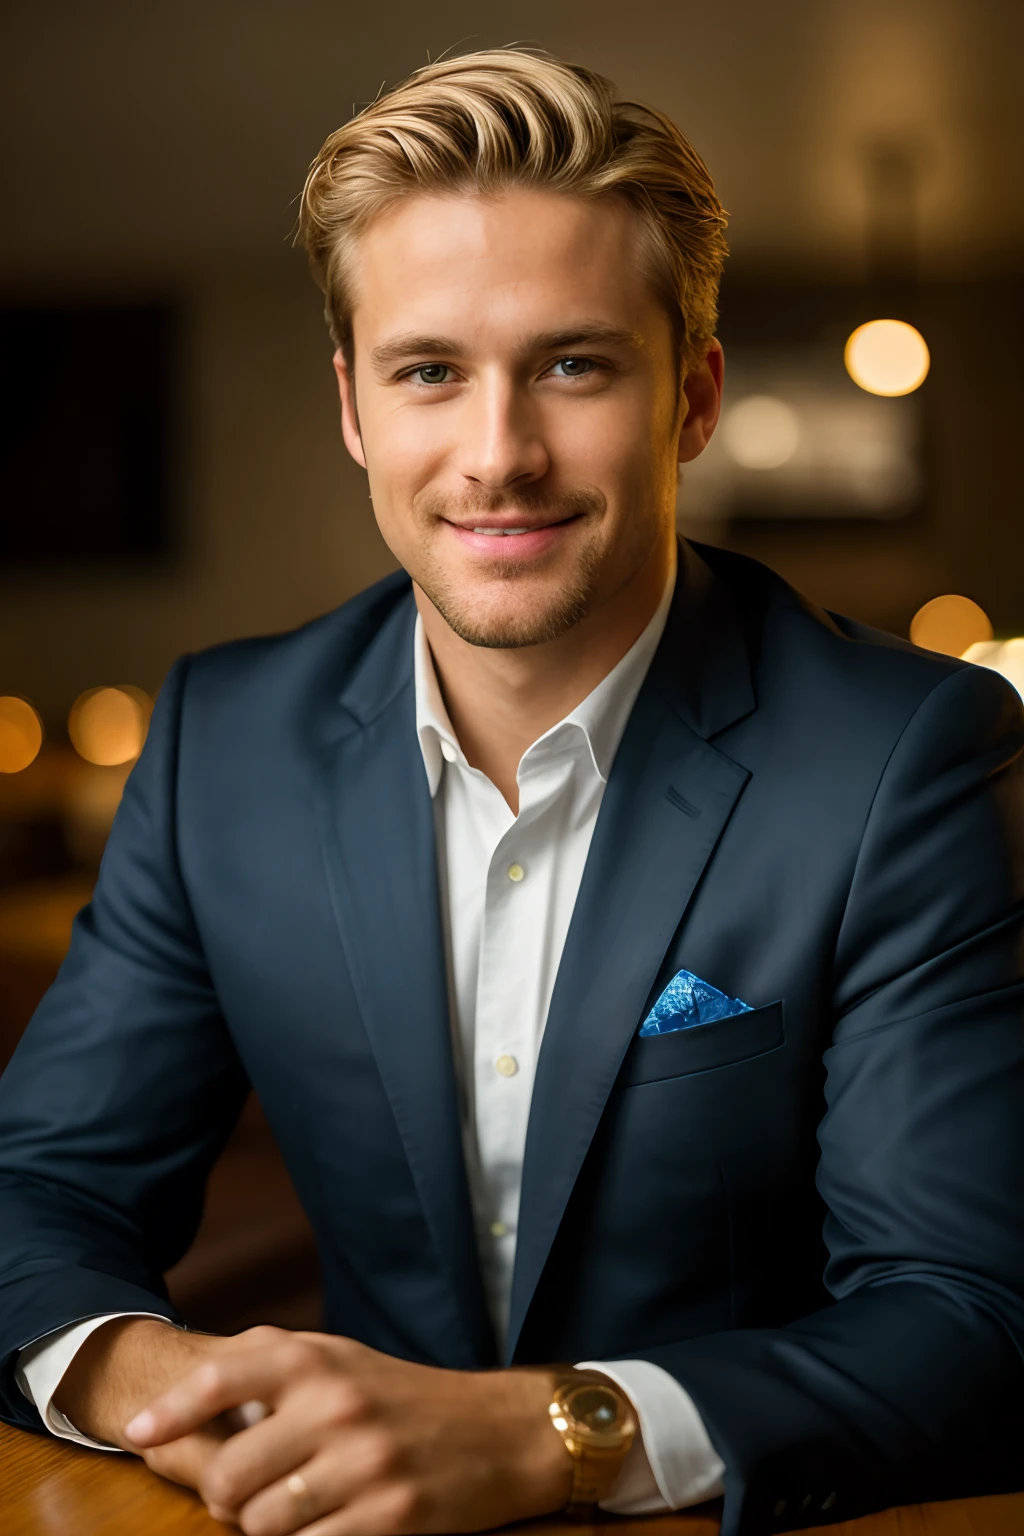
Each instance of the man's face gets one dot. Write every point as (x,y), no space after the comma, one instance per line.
(519,414)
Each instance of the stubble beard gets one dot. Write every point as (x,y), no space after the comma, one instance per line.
(560,613)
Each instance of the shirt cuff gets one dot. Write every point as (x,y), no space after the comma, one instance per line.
(672,1462)
(41,1366)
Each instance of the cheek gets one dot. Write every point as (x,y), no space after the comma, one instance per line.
(405,450)
(616,455)
(612,439)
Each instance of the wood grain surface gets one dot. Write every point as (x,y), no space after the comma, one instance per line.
(51,1488)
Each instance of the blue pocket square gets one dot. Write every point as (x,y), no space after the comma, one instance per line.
(687,1001)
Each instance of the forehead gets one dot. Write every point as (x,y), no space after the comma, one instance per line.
(495,264)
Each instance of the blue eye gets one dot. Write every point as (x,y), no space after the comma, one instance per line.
(575,367)
(431,373)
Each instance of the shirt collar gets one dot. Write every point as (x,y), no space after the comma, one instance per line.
(601,717)
(432,724)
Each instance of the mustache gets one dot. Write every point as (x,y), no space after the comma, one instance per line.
(556,506)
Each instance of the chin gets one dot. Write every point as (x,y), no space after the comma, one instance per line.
(512,605)
(531,619)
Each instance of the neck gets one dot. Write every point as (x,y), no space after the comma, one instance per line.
(500,701)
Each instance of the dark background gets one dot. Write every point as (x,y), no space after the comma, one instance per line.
(153,153)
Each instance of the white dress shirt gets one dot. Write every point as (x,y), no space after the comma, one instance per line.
(509,884)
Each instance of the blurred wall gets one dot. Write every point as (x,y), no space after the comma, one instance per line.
(277,523)
(159,149)
(969,537)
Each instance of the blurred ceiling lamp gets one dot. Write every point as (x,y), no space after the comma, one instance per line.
(108,725)
(761,432)
(1003,656)
(890,357)
(950,624)
(21,734)
(887,357)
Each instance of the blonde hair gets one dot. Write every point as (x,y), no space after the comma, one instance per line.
(509,117)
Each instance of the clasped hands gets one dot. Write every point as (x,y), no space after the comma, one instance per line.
(354,1442)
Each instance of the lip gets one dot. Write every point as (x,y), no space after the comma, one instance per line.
(507,520)
(537,540)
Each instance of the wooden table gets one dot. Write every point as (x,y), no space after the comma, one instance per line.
(53,1489)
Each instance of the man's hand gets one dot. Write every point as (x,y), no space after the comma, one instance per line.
(121,1366)
(358,1442)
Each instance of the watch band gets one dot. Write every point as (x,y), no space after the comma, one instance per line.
(594,1474)
(598,1438)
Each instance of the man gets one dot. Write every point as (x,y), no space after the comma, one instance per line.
(599,923)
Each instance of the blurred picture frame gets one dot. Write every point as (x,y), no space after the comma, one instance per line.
(798,441)
(89,434)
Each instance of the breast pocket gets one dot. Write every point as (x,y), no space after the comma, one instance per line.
(703,1047)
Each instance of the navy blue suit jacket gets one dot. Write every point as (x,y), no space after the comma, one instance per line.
(810,1214)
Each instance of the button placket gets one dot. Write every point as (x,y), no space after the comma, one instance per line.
(519,890)
(504,1055)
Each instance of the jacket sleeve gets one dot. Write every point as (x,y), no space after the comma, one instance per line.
(910,1386)
(122,1091)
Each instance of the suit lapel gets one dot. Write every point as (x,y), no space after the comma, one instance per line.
(669,797)
(376,820)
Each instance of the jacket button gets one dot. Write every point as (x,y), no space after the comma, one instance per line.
(780,1508)
(827,1503)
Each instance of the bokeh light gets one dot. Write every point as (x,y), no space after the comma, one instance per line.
(950,624)
(1003,656)
(108,725)
(887,357)
(21,734)
(761,432)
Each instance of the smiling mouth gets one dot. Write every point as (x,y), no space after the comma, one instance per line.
(507,533)
(513,533)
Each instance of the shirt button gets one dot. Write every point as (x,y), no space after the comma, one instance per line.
(507,1066)
(498,1229)
(448,752)
(516,872)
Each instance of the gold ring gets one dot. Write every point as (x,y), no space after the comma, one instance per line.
(299,1490)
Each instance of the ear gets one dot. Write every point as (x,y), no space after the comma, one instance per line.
(349,415)
(702,390)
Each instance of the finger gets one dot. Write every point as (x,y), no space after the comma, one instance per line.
(386,1511)
(320,1487)
(185,1461)
(245,1415)
(271,1449)
(225,1381)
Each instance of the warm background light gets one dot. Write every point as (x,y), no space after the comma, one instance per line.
(1003,656)
(108,725)
(950,624)
(887,357)
(761,432)
(21,734)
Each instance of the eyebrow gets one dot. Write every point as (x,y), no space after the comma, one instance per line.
(410,344)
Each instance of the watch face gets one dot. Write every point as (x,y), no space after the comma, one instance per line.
(597,1408)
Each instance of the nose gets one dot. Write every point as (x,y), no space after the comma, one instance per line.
(500,440)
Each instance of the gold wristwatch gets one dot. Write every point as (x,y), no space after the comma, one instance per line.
(597,1424)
